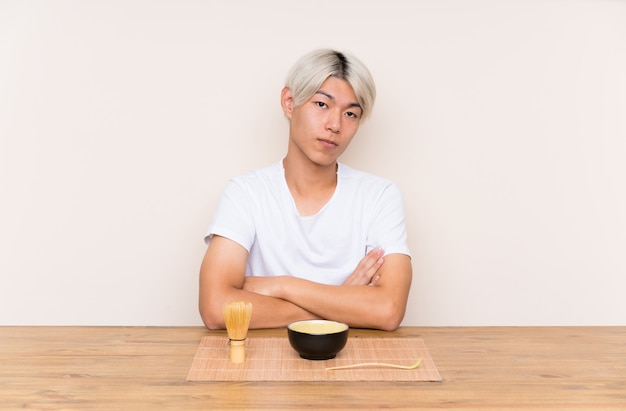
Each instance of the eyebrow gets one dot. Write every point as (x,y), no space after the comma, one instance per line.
(354,104)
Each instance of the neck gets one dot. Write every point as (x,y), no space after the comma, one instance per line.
(311,185)
(309,177)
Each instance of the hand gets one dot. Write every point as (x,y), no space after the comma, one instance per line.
(366,272)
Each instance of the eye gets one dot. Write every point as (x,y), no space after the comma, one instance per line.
(352,114)
(321,104)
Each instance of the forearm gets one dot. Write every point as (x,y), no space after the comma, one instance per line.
(267,312)
(278,301)
(358,306)
(379,305)
(222,276)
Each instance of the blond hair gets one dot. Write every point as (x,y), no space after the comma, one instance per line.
(311,70)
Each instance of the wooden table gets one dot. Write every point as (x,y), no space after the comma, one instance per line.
(484,368)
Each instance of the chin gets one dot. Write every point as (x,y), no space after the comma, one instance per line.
(324,160)
(325,163)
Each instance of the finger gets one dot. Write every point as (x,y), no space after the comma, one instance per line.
(371,259)
(374,280)
(366,268)
(372,262)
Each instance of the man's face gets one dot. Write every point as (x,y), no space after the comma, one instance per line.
(322,127)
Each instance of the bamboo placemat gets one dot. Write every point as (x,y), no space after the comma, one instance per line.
(273,359)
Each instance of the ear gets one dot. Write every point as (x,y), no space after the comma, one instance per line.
(286,101)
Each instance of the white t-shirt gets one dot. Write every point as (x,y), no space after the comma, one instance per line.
(257,211)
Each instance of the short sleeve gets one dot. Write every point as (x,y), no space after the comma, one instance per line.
(233,217)
(387,228)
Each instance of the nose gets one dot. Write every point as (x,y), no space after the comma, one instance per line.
(333,121)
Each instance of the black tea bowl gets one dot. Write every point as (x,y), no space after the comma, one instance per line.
(317,339)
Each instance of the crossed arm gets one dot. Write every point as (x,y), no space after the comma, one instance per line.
(374,296)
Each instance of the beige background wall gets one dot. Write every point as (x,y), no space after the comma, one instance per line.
(504,123)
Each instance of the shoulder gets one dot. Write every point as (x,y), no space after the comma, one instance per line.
(368,188)
(261,177)
(268,172)
(361,178)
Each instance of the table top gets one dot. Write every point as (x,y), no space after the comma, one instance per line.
(130,368)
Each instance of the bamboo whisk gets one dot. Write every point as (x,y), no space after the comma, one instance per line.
(237,319)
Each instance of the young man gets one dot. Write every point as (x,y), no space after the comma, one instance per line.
(309,237)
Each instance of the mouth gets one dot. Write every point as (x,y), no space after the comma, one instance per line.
(327,143)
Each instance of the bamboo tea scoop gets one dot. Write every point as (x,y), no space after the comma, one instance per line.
(237,316)
(377,364)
